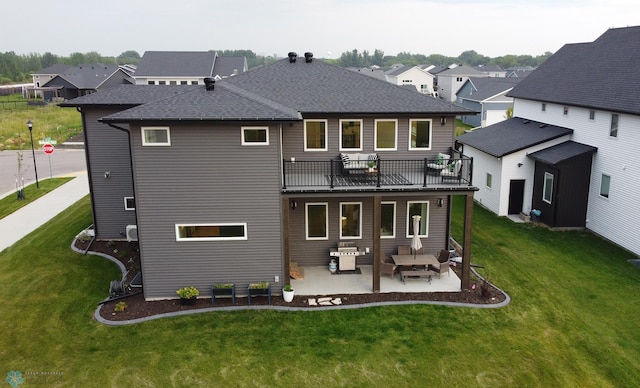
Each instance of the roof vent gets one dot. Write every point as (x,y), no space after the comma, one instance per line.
(542,126)
(292,57)
(526,122)
(308,57)
(209,83)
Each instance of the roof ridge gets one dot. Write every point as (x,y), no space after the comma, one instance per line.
(257,98)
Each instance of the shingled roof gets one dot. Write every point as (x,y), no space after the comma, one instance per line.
(176,63)
(598,75)
(488,87)
(509,136)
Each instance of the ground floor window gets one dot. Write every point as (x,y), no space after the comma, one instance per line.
(418,208)
(547,190)
(211,232)
(605,184)
(350,220)
(129,203)
(388,224)
(316,224)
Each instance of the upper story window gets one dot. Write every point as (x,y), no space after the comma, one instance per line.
(350,135)
(613,132)
(592,115)
(156,136)
(255,136)
(543,107)
(420,134)
(489,180)
(315,135)
(211,232)
(386,135)
(407,81)
(565,110)
(459,79)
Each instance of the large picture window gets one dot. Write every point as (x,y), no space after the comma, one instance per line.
(315,135)
(386,135)
(350,135)
(350,220)
(419,134)
(156,136)
(255,136)
(418,208)
(211,232)
(388,224)
(316,225)
(547,190)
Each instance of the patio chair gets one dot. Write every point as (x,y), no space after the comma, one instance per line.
(387,266)
(454,171)
(443,263)
(406,250)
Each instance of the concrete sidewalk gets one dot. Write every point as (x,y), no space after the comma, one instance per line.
(28,218)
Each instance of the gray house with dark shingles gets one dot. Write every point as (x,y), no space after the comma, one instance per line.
(589,177)
(76,81)
(486,95)
(235,180)
(185,67)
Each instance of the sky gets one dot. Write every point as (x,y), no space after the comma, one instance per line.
(325,27)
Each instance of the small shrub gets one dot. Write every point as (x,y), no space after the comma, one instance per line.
(120,306)
(188,292)
(259,285)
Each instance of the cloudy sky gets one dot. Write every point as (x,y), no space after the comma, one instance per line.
(325,27)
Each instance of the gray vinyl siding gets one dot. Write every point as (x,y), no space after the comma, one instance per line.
(207,176)
(108,150)
(316,252)
(442,139)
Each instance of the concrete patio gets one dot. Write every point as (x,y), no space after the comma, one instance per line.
(319,281)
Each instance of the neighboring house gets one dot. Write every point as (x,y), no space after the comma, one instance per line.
(452,79)
(486,95)
(590,177)
(185,67)
(47,74)
(76,81)
(495,71)
(519,72)
(234,180)
(411,75)
(374,72)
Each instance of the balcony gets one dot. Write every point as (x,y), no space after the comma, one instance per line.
(385,175)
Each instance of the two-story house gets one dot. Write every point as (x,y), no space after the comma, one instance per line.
(451,80)
(486,95)
(411,75)
(234,180)
(569,151)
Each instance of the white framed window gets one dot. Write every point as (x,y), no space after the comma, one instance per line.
(385,135)
(605,185)
(418,208)
(129,203)
(420,134)
(613,131)
(315,135)
(350,135)
(317,221)
(489,179)
(350,220)
(156,136)
(388,216)
(255,136)
(547,189)
(211,232)
(592,115)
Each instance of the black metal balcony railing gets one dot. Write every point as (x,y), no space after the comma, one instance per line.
(385,173)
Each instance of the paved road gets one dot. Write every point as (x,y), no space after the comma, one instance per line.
(63,161)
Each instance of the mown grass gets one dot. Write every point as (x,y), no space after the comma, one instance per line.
(48,121)
(11,203)
(571,322)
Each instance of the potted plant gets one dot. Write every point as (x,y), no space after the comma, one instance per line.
(287,293)
(188,295)
(260,288)
(223,289)
(372,166)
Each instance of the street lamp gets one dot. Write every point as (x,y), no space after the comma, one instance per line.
(33,152)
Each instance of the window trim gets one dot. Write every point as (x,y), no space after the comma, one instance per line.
(424,221)
(611,128)
(238,238)
(326,220)
(342,148)
(375,135)
(489,180)
(147,144)
(359,236)
(326,135)
(544,187)
(393,230)
(126,205)
(255,143)
(430,135)
(608,193)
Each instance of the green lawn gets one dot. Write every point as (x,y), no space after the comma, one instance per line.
(572,322)
(11,203)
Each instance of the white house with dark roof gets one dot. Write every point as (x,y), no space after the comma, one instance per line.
(411,75)
(601,109)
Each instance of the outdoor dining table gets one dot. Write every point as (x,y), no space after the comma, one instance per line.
(410,260)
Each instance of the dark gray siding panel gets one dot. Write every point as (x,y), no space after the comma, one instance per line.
(108,151)
(316,253)
(207,176)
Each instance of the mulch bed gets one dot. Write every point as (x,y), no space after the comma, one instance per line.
(137,307)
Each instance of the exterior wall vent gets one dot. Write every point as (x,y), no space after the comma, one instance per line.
(132,232)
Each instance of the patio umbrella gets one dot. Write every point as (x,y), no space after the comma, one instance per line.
(416,244)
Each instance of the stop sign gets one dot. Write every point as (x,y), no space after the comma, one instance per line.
(48,148)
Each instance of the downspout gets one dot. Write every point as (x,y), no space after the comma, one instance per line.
(133,181)
(88,162)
